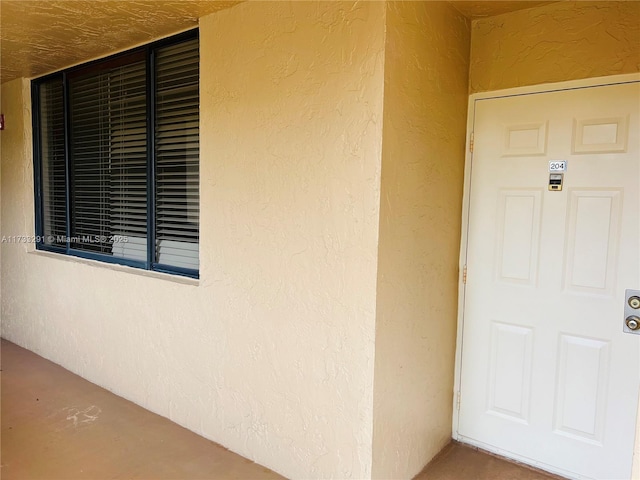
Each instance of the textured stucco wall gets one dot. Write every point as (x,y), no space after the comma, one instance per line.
(425,107)
(291,172)
(271,354)
(556,42)
(4,149)
(16,178)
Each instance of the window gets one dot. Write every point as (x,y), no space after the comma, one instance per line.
(116,146)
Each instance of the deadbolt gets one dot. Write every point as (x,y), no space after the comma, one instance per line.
(633,322)
(631,315)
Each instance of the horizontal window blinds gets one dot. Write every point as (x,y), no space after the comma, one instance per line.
(116,145)
(177,154)
(52,154)
(108,159)
(128,156)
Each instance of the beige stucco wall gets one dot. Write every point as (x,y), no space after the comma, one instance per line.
(426,72)
(555,42)
(271,353)
(16,184)
(4,148)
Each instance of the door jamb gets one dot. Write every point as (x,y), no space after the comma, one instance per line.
(543,88)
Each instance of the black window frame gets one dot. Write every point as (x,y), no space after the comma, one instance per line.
(148,51)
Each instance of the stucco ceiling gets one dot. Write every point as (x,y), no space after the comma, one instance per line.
(39,36)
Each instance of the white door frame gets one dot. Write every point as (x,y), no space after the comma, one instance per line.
(547,87)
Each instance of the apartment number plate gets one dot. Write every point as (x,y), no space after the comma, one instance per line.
(557,166)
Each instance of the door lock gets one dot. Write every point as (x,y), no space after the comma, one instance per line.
(633,322)
(631,312)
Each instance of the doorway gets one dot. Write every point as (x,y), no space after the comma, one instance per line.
(545,373)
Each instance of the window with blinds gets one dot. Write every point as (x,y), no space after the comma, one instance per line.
(117,158)
(177,150)
(52,158)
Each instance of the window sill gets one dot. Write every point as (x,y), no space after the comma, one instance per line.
(118,268)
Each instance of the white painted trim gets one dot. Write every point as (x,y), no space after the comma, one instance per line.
(550,87)
(462,263)
(527,90)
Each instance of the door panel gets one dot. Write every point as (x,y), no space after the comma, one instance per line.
(547,375)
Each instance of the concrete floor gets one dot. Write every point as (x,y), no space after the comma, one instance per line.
(460,462)
(57,426)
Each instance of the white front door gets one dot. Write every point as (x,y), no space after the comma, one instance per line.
(547,374)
